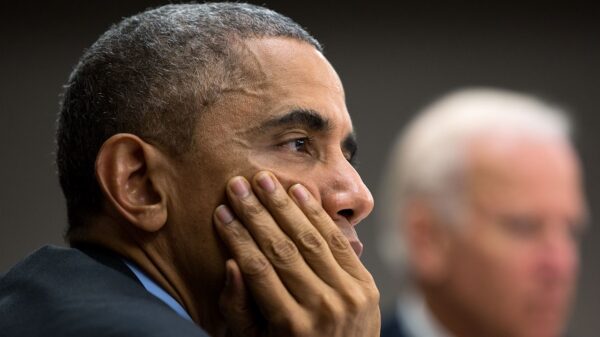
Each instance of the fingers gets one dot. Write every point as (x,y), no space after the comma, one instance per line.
(336,241)
(262,280)
(236,305)
(281,252)
(316,235)
(294,260)
(301,230)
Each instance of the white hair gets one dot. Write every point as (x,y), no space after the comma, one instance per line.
(428,157)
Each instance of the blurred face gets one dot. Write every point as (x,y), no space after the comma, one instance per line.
(514,266)
(289,117)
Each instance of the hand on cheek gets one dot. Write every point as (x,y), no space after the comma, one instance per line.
(292,263)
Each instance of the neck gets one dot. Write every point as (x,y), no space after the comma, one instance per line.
(150,253)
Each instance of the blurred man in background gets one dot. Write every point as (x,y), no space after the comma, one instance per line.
(483,206)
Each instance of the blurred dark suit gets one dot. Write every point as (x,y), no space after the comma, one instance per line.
(392,327)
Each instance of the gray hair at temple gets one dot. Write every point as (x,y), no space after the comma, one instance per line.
(429,156)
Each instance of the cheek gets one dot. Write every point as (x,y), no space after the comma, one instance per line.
(288,173)
(504,264)
(491,277)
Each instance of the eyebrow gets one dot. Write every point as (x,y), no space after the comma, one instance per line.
(307,118)
(311,120)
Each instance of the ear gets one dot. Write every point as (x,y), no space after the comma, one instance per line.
(429,243)
(131,174)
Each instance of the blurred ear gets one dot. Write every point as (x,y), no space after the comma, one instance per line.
(428,243)
(132,176)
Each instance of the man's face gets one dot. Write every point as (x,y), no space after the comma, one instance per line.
(289,117)
(515,262)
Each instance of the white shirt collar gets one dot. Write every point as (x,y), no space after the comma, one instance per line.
(416,318)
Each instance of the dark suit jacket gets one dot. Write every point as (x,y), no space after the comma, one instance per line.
(392,327)
(82,292)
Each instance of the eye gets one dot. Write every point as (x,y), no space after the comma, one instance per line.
(349,148)
(351,158)
(521,226)
(297,145)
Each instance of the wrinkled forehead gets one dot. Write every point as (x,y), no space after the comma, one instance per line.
(286,60)
(281,75)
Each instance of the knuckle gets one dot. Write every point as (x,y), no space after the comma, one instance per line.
(355,302)
(253,209)
(238,239)
(313,210)
(254,265)
(311,242)
(330,313)
(235,231)
(368,281)
(284,251)
(373,295)
(338,242)
(332,308)
(281,201)
(336,314)
(358,300)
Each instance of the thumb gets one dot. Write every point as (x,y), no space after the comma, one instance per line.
(236,306)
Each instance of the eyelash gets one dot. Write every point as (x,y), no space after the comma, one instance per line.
(306,143)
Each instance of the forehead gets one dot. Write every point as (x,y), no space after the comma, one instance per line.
(281,75)
(289,62)
(524,171)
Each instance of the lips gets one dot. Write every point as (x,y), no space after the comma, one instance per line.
(350,234)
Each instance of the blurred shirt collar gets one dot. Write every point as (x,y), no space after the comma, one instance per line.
(414,315)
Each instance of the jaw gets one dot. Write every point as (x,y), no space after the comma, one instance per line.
(192,287)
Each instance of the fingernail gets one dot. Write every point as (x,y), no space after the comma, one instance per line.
(224,214)
(266,182)
(300,193)
(240,187)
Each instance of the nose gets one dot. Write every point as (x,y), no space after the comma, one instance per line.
(344,195)
(559,256)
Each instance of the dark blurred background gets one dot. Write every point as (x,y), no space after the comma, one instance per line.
(393,58)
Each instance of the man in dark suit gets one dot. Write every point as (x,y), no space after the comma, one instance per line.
(483,210)
(205,153)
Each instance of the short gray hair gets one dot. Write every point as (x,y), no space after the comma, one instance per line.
(428,157)
(151,75)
